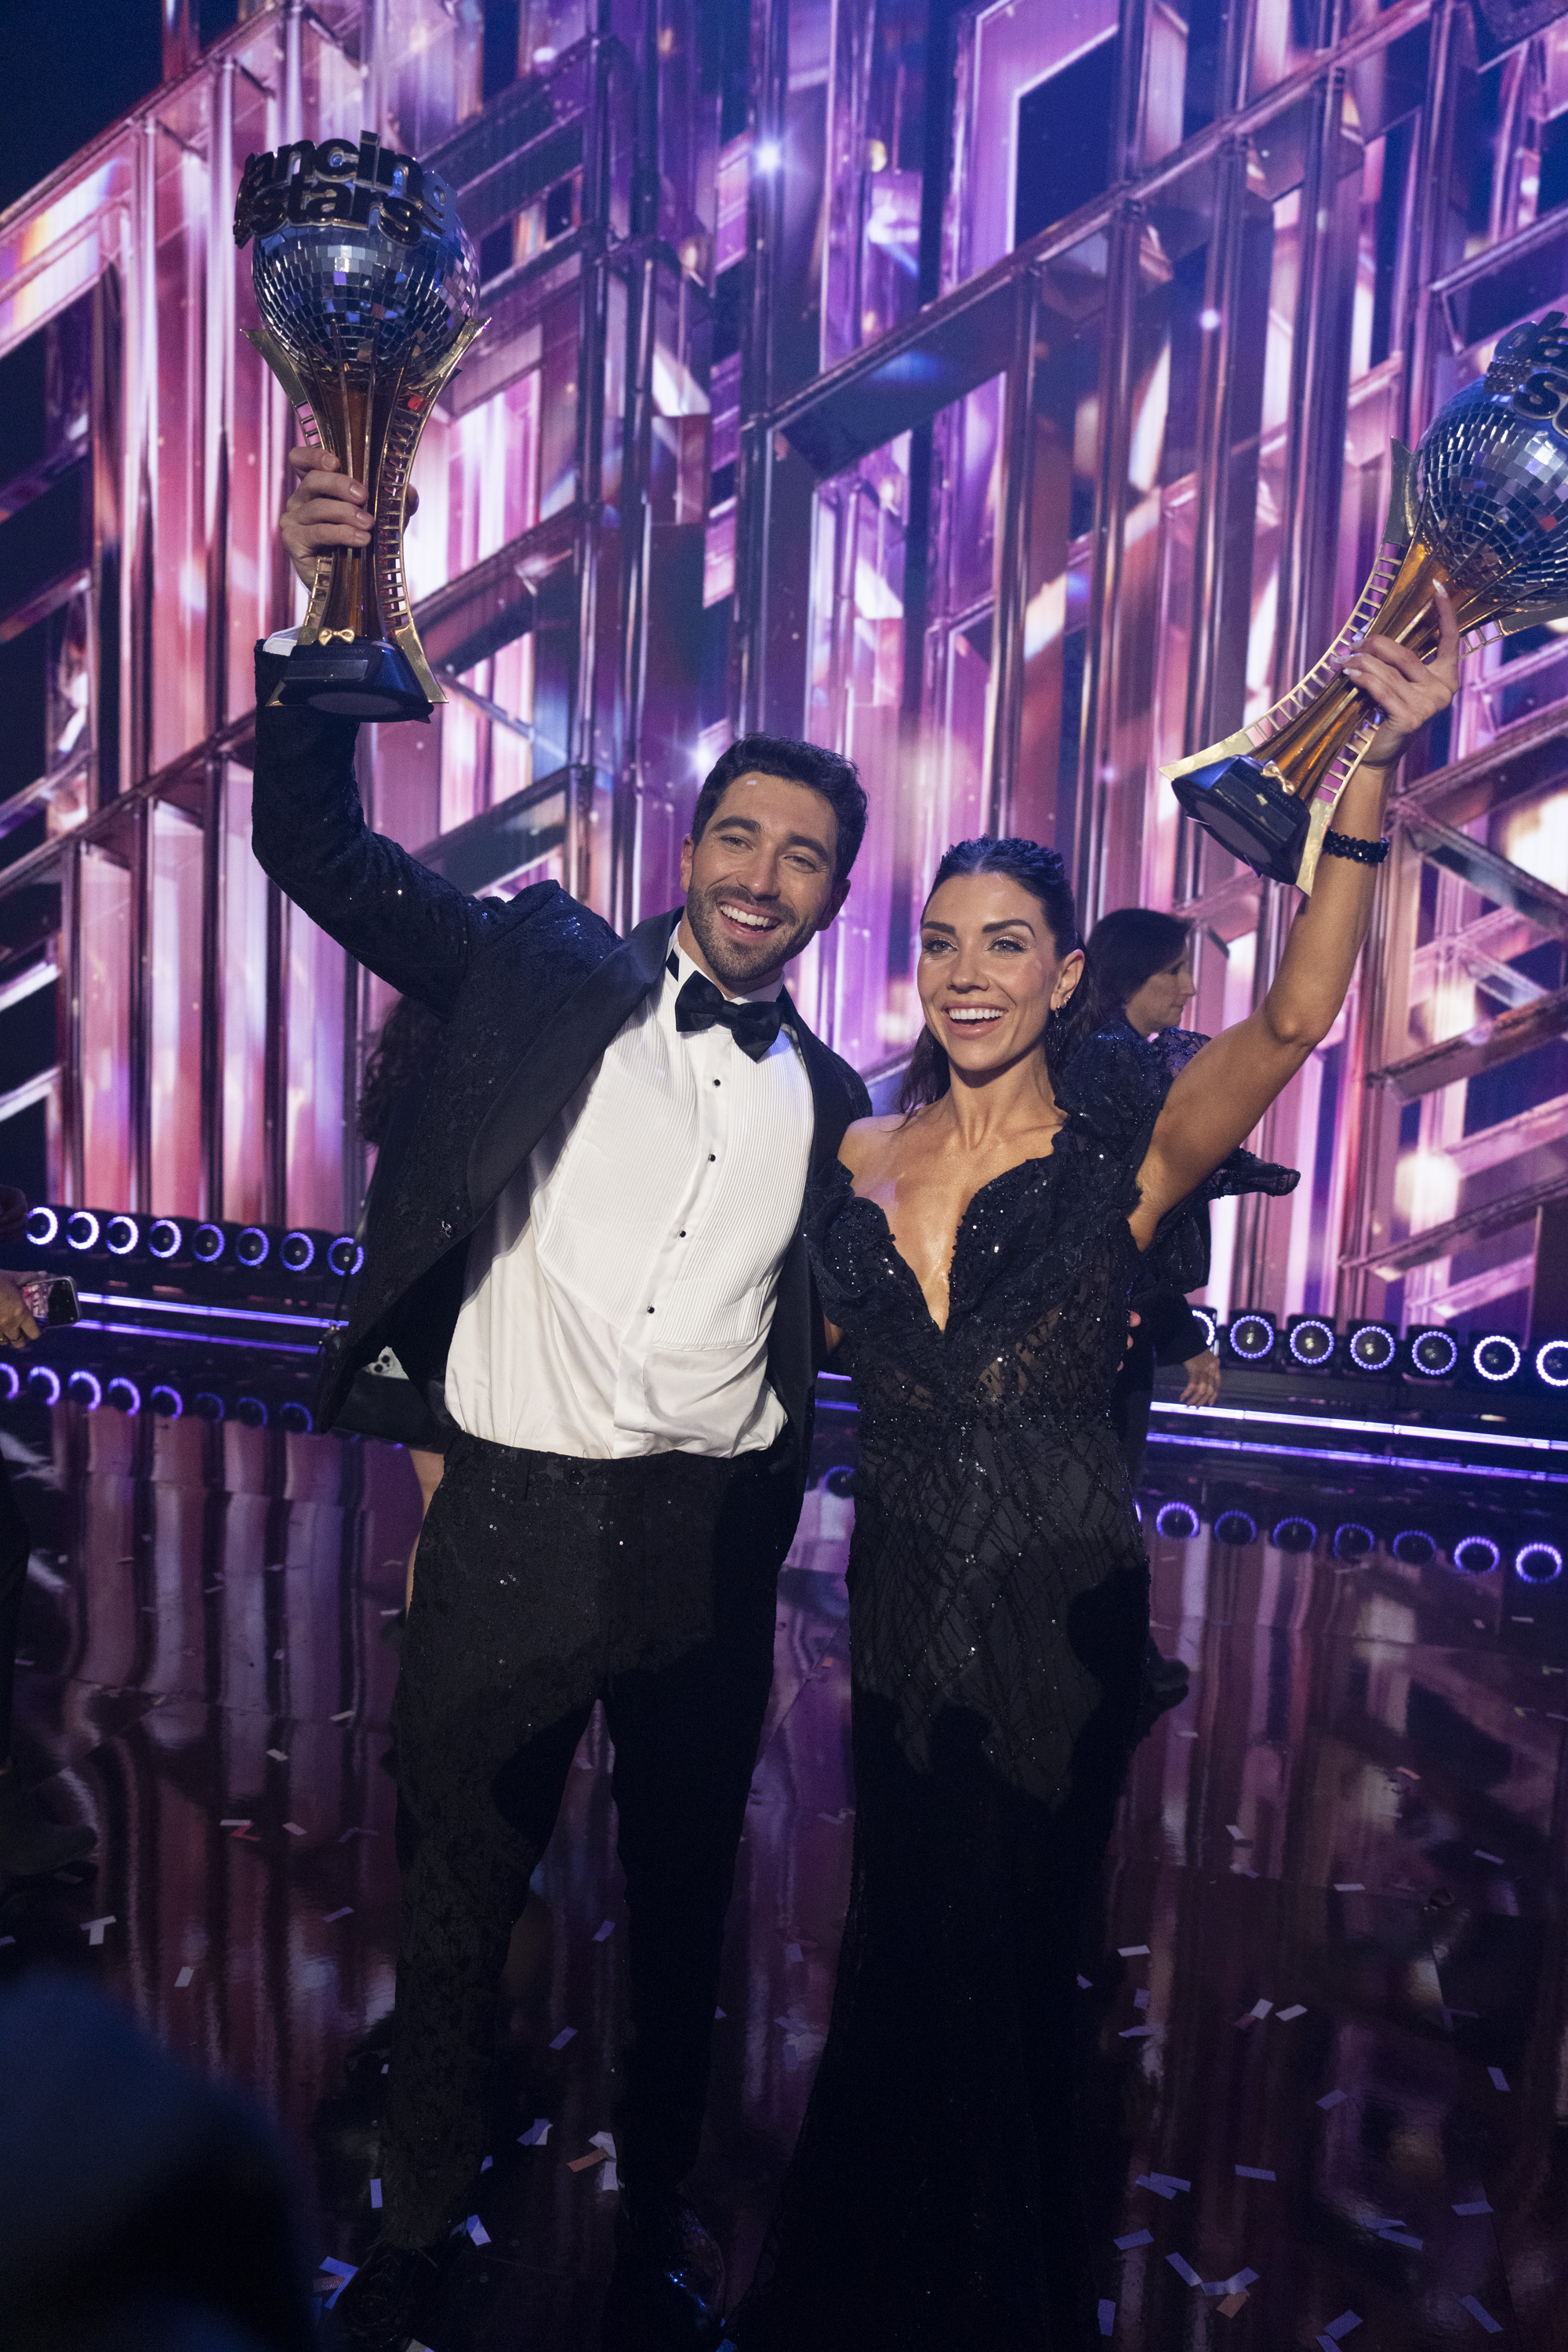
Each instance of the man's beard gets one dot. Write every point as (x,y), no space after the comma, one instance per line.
(733,963)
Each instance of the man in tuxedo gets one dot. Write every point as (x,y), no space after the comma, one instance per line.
(590,1256)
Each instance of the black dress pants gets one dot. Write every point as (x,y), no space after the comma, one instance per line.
(16,1547)
(544,1583)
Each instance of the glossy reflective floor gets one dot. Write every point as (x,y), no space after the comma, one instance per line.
(1325,2019)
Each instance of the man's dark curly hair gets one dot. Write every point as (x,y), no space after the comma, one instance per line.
(828,772)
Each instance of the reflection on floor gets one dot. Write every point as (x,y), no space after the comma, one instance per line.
(1326,2022)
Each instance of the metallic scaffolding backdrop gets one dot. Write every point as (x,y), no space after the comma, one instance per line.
(1001,393)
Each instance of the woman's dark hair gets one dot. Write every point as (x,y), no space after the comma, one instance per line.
(828,772)
(1040,872)
(405,1048)
(1126,948)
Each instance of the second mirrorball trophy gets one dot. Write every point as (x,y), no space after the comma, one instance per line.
(1482,506)
(368,289)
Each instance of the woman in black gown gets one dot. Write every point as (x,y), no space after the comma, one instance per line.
(976,1256)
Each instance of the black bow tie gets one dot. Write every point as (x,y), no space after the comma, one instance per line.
(701,1006)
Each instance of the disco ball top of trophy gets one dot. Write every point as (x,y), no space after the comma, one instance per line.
(1491,471)
(366,296)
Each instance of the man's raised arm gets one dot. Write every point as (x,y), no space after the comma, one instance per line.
(309,832)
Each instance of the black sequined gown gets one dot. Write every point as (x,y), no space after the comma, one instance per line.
(998,1616)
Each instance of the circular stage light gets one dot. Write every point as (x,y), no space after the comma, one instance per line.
(1551,1363)
(1475,1555)
(251,1412)
(205,1406)
(1496,1357)
(1310,1341)
(207,1245)
(1210,1322)
(81,1230)
(43,1227)
(344,1255)
(164,1237)
(1353,1541)
(10,1384)
(252,1246)
(123,1394)
(1434,1354)
(295,1417)
(840,1479)
(166,1402)
(1236,1527)
(1414,1548)
(84,1388)
(122,1234)
(1251,1337)
(1294,1534)
(297,1251)
(1373,1348)
(1178,1521)
(1538,1562)
(44,1383)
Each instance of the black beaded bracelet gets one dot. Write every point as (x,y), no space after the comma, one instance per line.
(1361,852)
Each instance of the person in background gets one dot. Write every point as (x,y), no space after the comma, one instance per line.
(1140,967)
(396,1074)
(141,2207)
(30,1845)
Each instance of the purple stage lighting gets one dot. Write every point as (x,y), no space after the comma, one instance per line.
(296,1417)
(1475,1555)
(1496,1357)
(120,1235)
(81,1230)
(123,1394)
(297,1251)
(1414,1548)
(1310,1341)
(1434,1352)
(205,1406)
(1178,1521)
(84,1388)
(1210,1322)
(1371,1347)
(1236,1527)
(252,1246)
(207,1245)
(344,1255)
(1353,1541)
(1537,1563)
(43,1227)
(251,1412)
(1551,1363)
(1251,1336)
(44,1383)
(10,1384)
(1294,1534)
(165,1402)
(164,1237)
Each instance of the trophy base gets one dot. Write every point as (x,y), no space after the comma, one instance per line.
(363,680)
(1251,813)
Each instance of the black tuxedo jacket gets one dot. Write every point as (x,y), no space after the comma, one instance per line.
(531,990)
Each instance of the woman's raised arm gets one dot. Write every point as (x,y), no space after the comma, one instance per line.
(1226,1088)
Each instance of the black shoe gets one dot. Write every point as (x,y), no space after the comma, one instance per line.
(377,2310)
(31,1847)
(666,2290)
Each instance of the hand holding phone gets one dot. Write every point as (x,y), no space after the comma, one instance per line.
(30,1301)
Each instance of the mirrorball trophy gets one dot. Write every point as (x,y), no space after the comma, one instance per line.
(1482,506)
(367,285)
